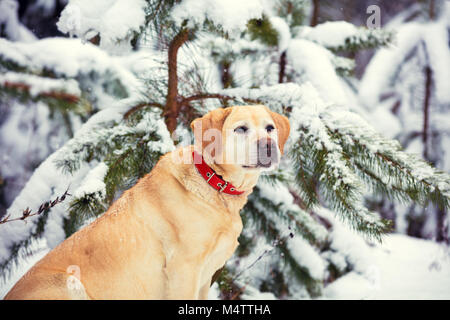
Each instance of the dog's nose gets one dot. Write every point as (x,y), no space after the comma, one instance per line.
(267,152)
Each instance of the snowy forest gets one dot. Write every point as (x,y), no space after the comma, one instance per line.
(93,93)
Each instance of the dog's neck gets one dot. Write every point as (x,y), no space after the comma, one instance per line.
(242,180)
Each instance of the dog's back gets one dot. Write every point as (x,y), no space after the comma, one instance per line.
(109,259)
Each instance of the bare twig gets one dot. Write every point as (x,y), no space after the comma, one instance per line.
(45,206)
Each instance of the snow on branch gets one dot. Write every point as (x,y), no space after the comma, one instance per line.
(322,137)
(383,69)
(344,36)
(288,213)
(45,183)
(109,135)
(10,22)
(40,87)
(224,49)
(116,25)
(411,178)
(231,15)
(71,59)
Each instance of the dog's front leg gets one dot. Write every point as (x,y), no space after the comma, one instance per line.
(182,280)
(204,290)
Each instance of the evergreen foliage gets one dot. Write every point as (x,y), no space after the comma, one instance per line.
(334,156)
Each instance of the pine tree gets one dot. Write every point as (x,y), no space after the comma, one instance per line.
(131,102)
(417,105)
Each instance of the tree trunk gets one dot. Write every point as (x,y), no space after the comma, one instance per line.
(282,70)
(426,111)
(315,13)
(173,102)
(225,74)
(442,229)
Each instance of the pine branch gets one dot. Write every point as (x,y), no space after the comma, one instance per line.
(283,214)
(337,183)
(203,96)
(271,230)
(365,38)
(141,106)
(110,140)
(25,88)
(343,66)
(361,38)
(22,248)
(61,94)
(129,149)
(404,175)
(29,75)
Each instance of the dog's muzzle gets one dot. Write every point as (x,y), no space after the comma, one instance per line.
(267,154)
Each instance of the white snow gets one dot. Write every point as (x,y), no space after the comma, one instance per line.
(252,293)
(93,183)
(384,120)
(330,33)
(11,24)
(279,195)
(284,34)
(307,257)
(39,249)
(46,183)
(231,15)
(437,41)
(38,85)
(401,268)
(115,25)
(382,66)
(71,58)
(348,248)
(314,60)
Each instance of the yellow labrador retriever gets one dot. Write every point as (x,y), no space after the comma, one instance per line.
(165,237)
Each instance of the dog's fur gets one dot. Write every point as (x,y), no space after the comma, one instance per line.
(162,239)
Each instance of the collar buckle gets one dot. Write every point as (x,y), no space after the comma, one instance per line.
(224,186)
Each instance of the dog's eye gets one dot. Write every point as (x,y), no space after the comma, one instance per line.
(241,129)
(270,128)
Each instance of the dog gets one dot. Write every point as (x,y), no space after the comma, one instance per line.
(165,237)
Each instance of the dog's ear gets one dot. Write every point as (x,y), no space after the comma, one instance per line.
(283,128)
(212,120)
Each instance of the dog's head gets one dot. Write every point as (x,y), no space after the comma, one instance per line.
(248,137)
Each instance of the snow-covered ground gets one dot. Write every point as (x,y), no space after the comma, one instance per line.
(403,268)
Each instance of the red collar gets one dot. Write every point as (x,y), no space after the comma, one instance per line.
(212,178)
